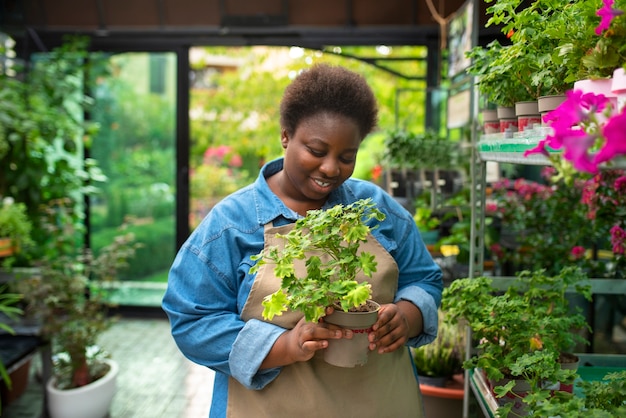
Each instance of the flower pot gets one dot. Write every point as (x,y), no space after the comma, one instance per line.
(527,115)
(599,86)
(568,361)
(508,119)
(446,401)
(515,396)
(546,104)
(351,352)
(491,123)
(6,247)
(90,401)
(618,87)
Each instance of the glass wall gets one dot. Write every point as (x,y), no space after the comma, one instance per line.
(135,107)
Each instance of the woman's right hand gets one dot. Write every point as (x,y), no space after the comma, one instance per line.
(302,341)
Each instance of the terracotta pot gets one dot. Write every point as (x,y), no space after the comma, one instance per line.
(6,247)
(351,352)
(527,115)
(443,401)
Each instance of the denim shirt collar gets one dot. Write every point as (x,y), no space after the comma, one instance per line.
(269,207)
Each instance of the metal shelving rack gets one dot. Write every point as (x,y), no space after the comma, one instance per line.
(510,149)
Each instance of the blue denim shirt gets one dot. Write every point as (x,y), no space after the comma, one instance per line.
(209,280)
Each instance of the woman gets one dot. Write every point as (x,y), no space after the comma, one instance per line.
(275,369)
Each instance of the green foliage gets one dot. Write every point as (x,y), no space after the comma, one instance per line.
(405,149)
(567,214)
(444,356)
(523,330)
(65,291)
(43,130)
(9,311)
(328,241)
(15,224)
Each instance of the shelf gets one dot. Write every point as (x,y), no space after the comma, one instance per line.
(510,147)
(593,367)
(598,286)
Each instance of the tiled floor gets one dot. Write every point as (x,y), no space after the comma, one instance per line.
(155,380)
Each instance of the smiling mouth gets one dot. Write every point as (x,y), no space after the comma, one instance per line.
(321,183)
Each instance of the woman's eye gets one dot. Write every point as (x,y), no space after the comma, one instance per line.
(317,153)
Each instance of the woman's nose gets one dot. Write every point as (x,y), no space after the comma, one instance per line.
(330,167)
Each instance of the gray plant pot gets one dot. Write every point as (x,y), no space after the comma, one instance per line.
(350,352)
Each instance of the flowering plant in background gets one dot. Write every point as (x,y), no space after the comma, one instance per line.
(586,127)
(577,219)
(605,197)
(535,232)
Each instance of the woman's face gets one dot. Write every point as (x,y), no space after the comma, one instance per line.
(319,157)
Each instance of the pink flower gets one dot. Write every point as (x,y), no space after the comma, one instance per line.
(577,144)
(614,131)
(606,13)
(578,252)
(620,185)
(618,239)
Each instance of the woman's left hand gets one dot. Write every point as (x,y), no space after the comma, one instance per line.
(395,325)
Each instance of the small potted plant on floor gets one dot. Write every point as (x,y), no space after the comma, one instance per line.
(523,332)
(326,245)
(15,227)
(66,294)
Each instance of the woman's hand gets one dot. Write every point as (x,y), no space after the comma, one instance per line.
(301,342)
(397,322)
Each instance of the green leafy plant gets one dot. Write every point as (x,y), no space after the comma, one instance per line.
(328,243)
(9,311)
(15,224)
(444,356)
(405,149)
(67,292)
(43,130)
(521,332)
(424,218)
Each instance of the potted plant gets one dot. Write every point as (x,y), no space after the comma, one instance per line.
(426,222)
(439,361)
(15,227)
(598,398)
(523,333)
(67,295)
(439,367)
(318,268)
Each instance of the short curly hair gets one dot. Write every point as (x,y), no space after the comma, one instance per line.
(333,89)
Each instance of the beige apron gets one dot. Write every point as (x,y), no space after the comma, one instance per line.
(384,387)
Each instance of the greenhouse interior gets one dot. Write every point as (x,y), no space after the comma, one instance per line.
(128,126)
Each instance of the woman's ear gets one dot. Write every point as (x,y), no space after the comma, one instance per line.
(284,138)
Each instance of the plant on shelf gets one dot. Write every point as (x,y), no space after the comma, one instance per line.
(67,295)
(442,358)
(586,129)
(329,243)
(599,398)
(15,227)
(591,236)
(405,149)
(523,333)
